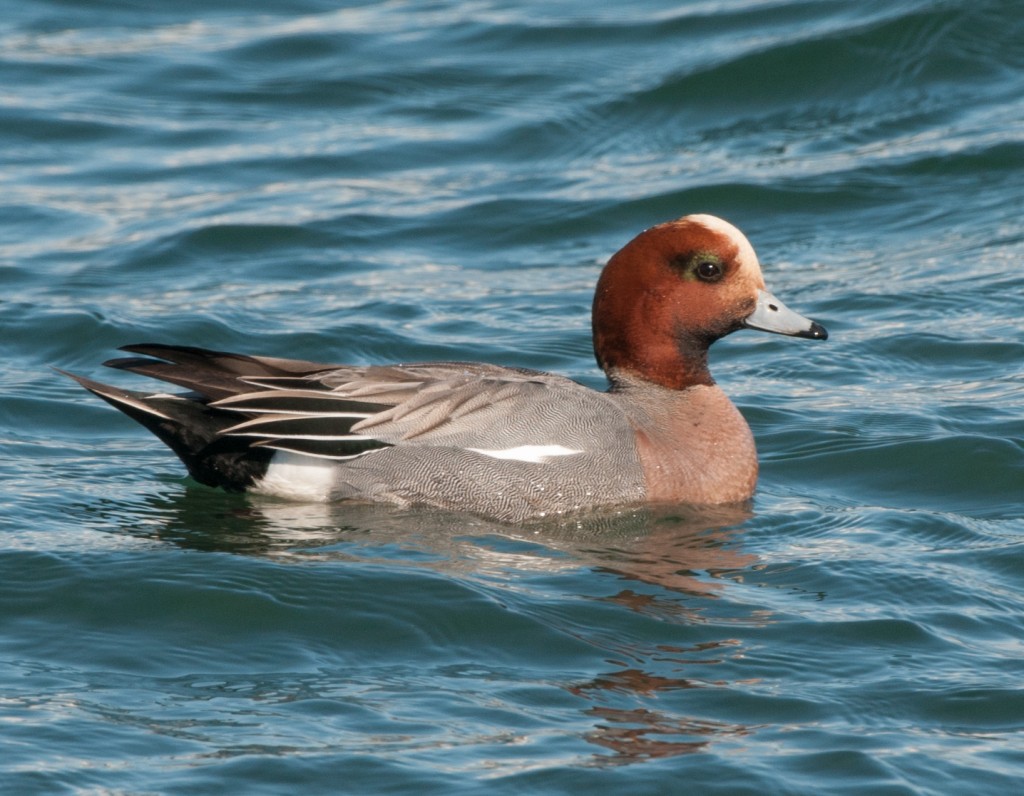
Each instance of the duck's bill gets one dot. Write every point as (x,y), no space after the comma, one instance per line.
(771,315)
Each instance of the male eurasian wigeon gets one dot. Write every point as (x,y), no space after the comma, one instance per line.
(505,443)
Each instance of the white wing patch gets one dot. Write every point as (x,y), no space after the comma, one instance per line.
(537,454)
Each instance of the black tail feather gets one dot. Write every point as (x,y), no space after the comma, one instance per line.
(192,429)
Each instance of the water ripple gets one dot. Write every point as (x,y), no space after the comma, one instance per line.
(396,181)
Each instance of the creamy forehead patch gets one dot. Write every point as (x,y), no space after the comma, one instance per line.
(722,227)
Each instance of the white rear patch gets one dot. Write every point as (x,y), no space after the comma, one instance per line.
(538,454)
(292,475)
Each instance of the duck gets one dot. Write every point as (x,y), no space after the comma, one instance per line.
(504,443)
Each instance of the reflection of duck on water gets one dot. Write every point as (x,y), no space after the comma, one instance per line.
(664,565)
(681,548)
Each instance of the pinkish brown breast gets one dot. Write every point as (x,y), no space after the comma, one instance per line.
(694,445)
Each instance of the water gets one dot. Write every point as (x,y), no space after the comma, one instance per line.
(405,181)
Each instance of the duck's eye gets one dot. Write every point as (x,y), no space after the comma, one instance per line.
(709,270)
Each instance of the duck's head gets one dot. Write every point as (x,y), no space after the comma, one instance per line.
(673,290)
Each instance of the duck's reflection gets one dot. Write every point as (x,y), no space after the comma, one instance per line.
(641,552)
(680,548)
(641,734)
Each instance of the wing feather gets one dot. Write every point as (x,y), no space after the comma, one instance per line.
(338,412)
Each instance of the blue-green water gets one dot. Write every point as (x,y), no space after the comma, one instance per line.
(406,181)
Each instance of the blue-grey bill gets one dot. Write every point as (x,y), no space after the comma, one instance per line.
(771,315)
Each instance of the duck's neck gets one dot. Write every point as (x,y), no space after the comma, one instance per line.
(673,362)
